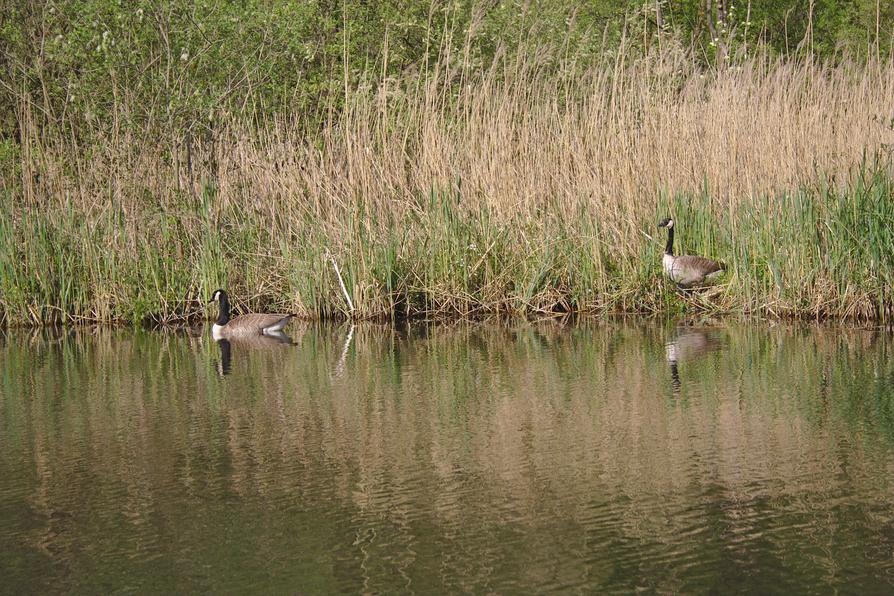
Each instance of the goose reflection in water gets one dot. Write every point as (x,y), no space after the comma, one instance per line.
(270,340)
(687,345)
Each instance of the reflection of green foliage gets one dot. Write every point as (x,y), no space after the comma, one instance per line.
(428,450)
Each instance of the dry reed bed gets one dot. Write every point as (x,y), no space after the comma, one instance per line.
(517,189)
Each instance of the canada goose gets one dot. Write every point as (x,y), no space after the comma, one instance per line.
(244,325)
(686,270)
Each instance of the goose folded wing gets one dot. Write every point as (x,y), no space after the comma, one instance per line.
(701,264)
(258,321)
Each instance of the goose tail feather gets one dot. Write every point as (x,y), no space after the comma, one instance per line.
(278,326)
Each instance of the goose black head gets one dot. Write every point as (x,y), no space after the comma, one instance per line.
(667,222)
(218,295)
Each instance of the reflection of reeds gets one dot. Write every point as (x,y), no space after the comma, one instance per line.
(473,431)
(523,190)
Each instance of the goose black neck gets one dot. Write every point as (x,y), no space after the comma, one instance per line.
(223,316)
(669,248)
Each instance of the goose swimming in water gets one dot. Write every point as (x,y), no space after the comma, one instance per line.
(686,270)
(244,325)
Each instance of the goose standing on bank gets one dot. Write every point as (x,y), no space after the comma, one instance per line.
(247,324)
(686,270)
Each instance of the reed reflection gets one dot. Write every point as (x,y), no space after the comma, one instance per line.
(453,457)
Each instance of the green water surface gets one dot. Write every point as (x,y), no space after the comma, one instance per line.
(514,458)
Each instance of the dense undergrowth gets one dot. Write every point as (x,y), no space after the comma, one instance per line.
(515,187)
(814,252)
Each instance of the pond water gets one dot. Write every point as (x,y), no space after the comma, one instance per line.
(605,456)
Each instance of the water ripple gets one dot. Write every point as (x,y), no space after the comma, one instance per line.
(533,458)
